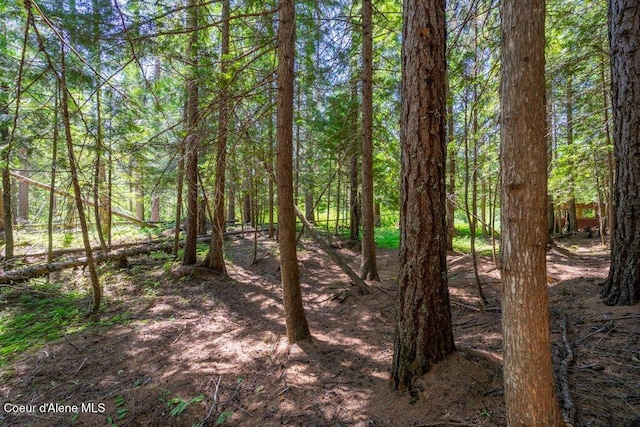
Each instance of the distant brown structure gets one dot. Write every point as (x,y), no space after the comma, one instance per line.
(587,216)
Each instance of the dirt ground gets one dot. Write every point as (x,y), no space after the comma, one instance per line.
(212,350)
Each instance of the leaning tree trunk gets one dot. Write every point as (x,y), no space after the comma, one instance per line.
(93,273)
(297,327)
(423,334)
(528,374)
(623,284)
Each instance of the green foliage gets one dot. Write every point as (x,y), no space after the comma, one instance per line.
(387,237)
(223,417)
(178,405)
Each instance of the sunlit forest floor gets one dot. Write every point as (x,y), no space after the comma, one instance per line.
(176,350)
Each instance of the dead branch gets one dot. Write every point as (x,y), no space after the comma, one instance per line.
(72,344)
(85,201)
(364,289)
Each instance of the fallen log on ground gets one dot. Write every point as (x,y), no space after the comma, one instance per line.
(70,251)
(27,273)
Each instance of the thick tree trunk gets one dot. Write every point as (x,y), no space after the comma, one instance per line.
(623,284)
(528,374)
(193,140)
(368,265)
(423,334)
(297,327)
(215,257)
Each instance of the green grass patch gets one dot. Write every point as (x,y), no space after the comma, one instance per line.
(33,319)
(387,237)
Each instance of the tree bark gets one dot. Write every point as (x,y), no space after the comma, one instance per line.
(193,139)
(93,273)
(354,204)
(572,216)
(528,375)
(215,258)
(451,187)
(423,333)
(296,321)
(623,284)
(368,265)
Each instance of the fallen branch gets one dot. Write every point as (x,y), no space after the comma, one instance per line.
(364,289)
(85,201)
(72,344)
(212,410)
(568,408)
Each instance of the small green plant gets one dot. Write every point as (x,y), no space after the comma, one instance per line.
(223,417)
(485,413)
(178,405)
(121,408)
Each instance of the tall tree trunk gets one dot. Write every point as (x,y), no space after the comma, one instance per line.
(93,273)
(607,133)
(7,210)
(354,204)
(99,171)
(309,212)
(193,139)
(54,167)
(571,206)
(471,177)
(528,371)
(179,188)
(215,258)
(297,327)
(623,284)
(368,265)
(451,187)
(23,188)
(423,333)
(338,199)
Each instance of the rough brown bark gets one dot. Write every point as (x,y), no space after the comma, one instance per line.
(423,330)
(623,284)
(192,141)
(215,258)
(368,265)
(297,327)
(528,376)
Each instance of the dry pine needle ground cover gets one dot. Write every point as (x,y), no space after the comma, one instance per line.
(210,350)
